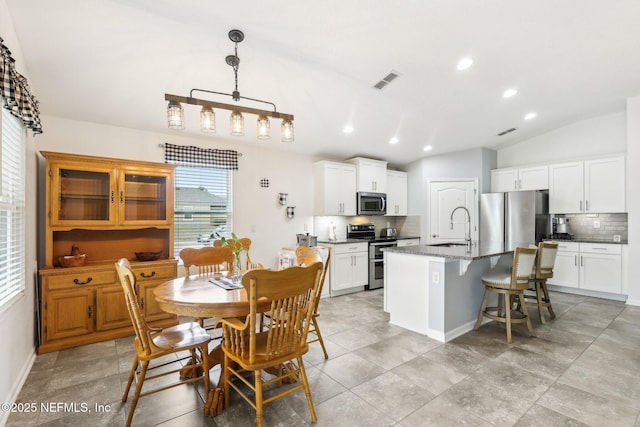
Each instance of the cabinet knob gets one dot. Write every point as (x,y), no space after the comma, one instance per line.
(78,282)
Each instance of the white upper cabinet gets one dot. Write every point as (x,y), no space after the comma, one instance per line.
(372,174)
(396,193)
(520,179)
(592,186)
(335,188)
(566,188)
(604,185)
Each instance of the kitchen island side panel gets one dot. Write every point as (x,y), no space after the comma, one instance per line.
(463,293)
(407,291)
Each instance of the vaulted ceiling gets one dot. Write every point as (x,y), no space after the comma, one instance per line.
(112,61)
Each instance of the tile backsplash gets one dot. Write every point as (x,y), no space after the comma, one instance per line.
(582,226)
(406,226)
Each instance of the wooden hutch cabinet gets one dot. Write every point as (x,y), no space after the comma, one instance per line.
(110,209)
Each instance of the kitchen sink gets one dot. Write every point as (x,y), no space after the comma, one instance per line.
(449,244)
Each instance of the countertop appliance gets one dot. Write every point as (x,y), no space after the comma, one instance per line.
(514,218)
(371,203)
(560,225)
(306,240)
(376,256)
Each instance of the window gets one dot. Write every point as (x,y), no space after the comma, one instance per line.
(12,207)
(203,206)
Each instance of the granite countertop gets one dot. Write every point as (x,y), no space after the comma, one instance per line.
(456,252)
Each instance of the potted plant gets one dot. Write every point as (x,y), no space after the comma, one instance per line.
(237,247)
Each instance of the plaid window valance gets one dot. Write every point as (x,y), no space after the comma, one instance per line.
(200,157)
(15,92)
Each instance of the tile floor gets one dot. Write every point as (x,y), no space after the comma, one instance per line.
(583,368)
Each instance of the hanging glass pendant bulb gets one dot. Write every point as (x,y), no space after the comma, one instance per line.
(175,115)
(237,123)
(264,127)
(207,120)
(287,130)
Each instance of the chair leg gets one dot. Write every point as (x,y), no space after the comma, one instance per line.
(132,374)
(483,306)
(307,391)
(136,396)
(226,380)
(539,300)
(258,384)
(525,311)
(547,299)
(205,366)
(507,298)
(319,335)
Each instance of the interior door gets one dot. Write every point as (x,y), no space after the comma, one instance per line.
(444,197)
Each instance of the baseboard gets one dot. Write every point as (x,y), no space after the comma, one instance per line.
(15,390)
(633,301)
(588,293)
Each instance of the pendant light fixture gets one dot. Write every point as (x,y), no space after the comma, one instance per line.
(207,120)
(175,112)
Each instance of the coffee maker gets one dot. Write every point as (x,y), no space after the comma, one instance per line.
(561,228)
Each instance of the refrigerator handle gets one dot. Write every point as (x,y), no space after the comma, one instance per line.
(575,260)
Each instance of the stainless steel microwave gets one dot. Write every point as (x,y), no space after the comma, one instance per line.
(372,203)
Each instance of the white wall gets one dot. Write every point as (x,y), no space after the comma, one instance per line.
(17,319)
(588,138)
(476,163)
(257,213)
(633,197)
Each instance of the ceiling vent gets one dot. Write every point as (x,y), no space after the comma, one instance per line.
(387,79)
(504,132)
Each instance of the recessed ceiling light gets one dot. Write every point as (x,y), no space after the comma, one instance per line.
(347,129)
(509,93)
(530,116)
(427,148)
(394,140)
(464,63)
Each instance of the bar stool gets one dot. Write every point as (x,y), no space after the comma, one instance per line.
(545,262)
(508,286)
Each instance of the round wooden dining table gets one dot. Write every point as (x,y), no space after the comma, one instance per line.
(197,296)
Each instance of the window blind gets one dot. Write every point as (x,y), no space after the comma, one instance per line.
(12,207)
(203,206)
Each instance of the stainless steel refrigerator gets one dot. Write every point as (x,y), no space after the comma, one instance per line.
(514,218)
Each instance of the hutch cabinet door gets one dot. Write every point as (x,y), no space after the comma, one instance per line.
(145,197)
(82,195)
(111,308)
(69,314)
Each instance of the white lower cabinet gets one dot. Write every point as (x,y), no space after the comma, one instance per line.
(589,266)
(349,267)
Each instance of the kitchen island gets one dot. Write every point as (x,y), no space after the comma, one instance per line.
(437,290)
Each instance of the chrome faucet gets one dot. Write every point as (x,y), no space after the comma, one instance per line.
(467,238)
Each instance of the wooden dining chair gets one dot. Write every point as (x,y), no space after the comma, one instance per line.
(207,260)
(543,270)
(153,343)
(508,287)
(306,256)
(292,293)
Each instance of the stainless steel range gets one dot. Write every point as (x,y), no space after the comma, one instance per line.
(376,257)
